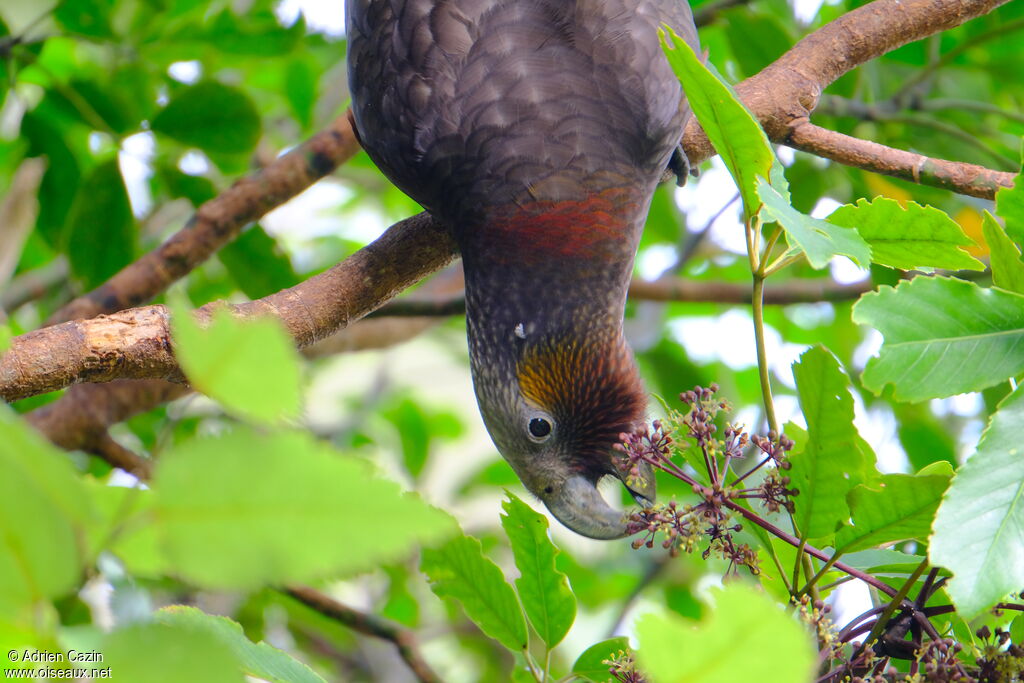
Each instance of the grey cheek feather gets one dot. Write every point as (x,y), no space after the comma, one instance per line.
(519,331)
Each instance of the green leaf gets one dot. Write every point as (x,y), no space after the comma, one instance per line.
(590,664)
(1010,205)
(459,570)
(196,189)
(125,528)
(908,237)
(101,228)
(757,39)
(1007,268)
(213,117)
(62,178)
(943,337)
(258,264)
(831,461)
(884,561)
(543,590)
(257,660)
(979,529)
(897,507)
(43,510)
(156,653)
(251,508)
(820,240)
(300,85)
(732,129)
(251,366)
(86,17)
(746,637)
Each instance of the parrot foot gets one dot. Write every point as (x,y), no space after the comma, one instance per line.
(679,166)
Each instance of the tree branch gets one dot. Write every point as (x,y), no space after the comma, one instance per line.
(370,625)
(784,94)
(217,222)
(136,343)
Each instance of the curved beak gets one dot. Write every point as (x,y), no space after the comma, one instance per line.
(579,506)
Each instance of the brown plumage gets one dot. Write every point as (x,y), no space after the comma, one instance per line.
(537,129)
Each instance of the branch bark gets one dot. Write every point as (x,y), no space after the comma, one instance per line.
(403,639)
(217,222)
(136,342)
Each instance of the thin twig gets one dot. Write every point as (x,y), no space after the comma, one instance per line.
(403,639)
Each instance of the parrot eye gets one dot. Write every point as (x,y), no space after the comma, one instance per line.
(539,428)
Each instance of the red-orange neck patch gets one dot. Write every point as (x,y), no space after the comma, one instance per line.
(606,224)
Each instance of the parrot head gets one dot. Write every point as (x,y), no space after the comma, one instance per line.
(556,415)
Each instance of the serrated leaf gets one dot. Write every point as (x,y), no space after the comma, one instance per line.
(211,116)
(250,366)
(831,462)
(1010,205)
(979,528)
(101,228)
(590,664)
(820,240)
(897,507)
(249,508)
(43,510)
(943,337)
(734,132)
(543,590)
(1007,268)
(460,571)
(746,636)
(258,660)
(908,236)
(156,653)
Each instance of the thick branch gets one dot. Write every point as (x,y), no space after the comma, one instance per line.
(217,222)
(136,343)
(784,94)
(368,624)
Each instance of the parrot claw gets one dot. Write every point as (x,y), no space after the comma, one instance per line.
(679,166)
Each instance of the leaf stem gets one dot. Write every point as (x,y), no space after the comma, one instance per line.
(533,668)
(821,572)
(784,260)
(797,563)
(762,354)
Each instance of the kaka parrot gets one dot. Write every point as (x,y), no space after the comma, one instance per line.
(537,130)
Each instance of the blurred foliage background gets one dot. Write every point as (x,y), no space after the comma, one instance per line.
(120,117)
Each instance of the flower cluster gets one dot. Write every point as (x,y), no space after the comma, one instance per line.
(710,520)
(1001,659)
(623,669)
(818,616)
